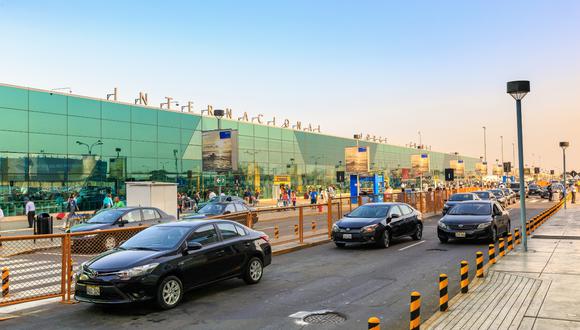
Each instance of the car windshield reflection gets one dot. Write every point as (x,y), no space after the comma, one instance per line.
(471,209)
(156,238)
(369,211)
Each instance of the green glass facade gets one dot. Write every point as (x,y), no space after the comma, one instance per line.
(44,152)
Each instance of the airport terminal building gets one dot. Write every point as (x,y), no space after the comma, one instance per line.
(52,144)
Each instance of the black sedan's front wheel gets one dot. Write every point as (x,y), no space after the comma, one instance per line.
(169,292)
(384,240)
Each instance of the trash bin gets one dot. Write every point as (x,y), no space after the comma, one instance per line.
(43,224)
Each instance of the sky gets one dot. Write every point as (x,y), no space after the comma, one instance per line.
(385,68)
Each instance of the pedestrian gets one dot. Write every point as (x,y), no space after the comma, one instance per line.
(550,193)
(285,197)
(72,208)
(108,202)
(313,196)
(293,198)
(211,195)
(118,203)
(30,211)
(573,190)
(247,195)
(256,198)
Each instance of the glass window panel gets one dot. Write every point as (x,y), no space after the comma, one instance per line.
(13,120)
(143,165)
(48,143)
(168,134)
(116,111)
(191,152)
(48,102)
(13,141)
(48,123)
(275,145)
(246,129)
(275,133)
(261,131)
(140,132)
(166,150)
(84,107)
(82,126)
(169,118)
(190,137)
(13,98)
(288,135)
(208,123)
(143,115)
(260,144)
(245,142)
(275,157)
(110,145)
(143,149)
(116,129)
(190,122)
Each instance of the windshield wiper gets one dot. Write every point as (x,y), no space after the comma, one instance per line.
(142,248)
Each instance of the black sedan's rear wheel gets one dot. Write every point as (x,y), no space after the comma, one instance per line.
(384,240)
(169,292)
(418,232)
(254,271)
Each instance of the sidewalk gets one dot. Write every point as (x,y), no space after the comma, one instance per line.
(539,289)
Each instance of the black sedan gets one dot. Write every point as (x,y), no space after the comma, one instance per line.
(378,223)
(162,262)
(230,210)
(111,219)
(474,220)
(458,198)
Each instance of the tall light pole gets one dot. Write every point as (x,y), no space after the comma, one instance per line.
(484,144)
(501,141)
(518,89)
(357,137)
(564,145)
(90,147)
(514,156)
(420,139)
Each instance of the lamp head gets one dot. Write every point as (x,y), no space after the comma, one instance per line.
(518,88)
(219,113)
(118,149)
(357,136)
(564,144)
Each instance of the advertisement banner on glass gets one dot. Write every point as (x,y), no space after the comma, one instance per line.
(357,159)
(458,167)
(527,171)
(497,170)
(481,169)
(420,164)
(405,173)
(219,150)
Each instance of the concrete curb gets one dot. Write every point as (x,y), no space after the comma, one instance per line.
(300,247)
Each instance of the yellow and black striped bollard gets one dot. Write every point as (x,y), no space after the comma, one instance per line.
(443,294)
(501,247)
(296,230)
(276,232)
(510,242)
(491,254)
(517,236)
(479,264)
(374,323)
(464,272)
(5,281)
(415,309)
(313,225)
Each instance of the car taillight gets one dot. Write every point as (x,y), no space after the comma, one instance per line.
(265,238)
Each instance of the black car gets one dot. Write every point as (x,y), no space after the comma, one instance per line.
(516,188)
(474,220)
(230,210)
(221,199)
(485,195)
(500,197)
(378,223)
(123,217)
(458,198)
(162,262)
(534,189)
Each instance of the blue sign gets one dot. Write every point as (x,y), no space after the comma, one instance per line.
(460,161)
(424,156)
(362,149)
(225,135)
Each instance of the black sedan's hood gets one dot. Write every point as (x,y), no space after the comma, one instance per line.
(89,227)
(465,219)
(356,223)
(452,203)
(198,216)
(118,259)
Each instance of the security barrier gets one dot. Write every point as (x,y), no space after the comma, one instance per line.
(443,294)
(374,323)
(479,264)
(491,254)
(510,242)
(415,311)
(464,272)
(501,247)
(517,236)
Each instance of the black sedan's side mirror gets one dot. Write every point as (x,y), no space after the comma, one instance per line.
(227,212)
(122,222)
(393,216)
(193,246)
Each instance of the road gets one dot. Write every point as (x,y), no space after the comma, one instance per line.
(357,282)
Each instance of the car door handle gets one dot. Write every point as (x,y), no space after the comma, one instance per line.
(220,253)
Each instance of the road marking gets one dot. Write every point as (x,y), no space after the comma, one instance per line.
(410,246)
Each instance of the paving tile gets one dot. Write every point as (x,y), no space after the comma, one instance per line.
(562,299)
(550,324)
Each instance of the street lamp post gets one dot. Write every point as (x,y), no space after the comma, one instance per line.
(420,139)
(519,89)
(484,144)
(564,145)
(357,137)
(90,147)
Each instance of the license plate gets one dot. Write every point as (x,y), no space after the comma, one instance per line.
(347,236)
(93,290)
(460,234)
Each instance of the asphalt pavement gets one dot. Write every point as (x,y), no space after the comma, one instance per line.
(357,282)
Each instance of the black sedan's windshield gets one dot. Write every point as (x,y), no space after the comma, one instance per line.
(156,238)
(108,217)
(471,209)
(212,209)
(461,197)
(370,211)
